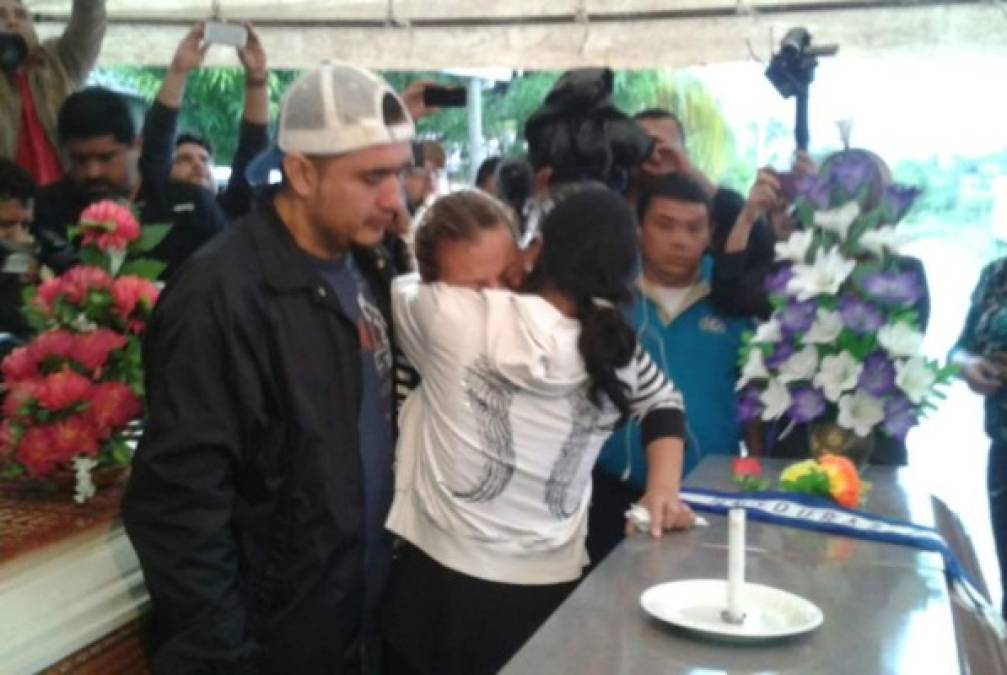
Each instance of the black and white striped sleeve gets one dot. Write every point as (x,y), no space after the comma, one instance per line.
(654,400)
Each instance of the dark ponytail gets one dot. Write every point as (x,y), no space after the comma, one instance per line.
(606,344)
(589,254)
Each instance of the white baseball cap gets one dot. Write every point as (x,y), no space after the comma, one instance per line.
(334,109)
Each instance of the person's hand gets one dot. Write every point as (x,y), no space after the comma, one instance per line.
(253,57)
(803,164)
(765,196)
(984,376)
(189,54)
(413,98)
(667,512)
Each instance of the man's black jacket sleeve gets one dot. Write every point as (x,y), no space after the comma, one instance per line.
(179,504)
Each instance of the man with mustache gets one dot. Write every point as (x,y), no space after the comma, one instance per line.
(99,140)
(259,491)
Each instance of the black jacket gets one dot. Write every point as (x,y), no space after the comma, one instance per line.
(245,504)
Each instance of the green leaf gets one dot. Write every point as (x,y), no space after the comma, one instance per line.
(150,236)
(11,471)
(146,268)
(95,258)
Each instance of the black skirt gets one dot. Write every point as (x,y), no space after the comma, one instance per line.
(436,621)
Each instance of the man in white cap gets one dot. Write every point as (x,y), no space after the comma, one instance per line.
(259,490)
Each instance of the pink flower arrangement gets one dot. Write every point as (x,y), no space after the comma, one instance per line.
(107,225)
(73,391)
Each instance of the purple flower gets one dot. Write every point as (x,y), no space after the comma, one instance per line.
(784,350)
(797,317)
(898,199)
(878,376)
(808,403)
(749,407)
(815,190)
(894,288)
(776,282)
(859,316)
(851,171)
(900,417)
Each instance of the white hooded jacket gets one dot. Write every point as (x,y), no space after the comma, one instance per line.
(496,446)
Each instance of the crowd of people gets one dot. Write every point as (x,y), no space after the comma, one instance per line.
(388,430)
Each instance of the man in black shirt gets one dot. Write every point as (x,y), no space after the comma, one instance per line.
(259,491)
(99,139)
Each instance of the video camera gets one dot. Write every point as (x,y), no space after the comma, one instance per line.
(13,51)
(581,135)
(791,71)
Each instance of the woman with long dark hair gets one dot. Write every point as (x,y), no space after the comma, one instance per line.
(496,447)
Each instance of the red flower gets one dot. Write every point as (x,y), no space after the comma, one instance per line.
(37,450)
(91,349)
(56,343)
(75,436)
(746,466)
(77,281)
(19,365)
(63,389)
(7,444)
(109,225)
(19,394)
(113,405)
(46,294)
(128,292)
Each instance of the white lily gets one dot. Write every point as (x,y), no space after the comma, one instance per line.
(755,369)
(838,220)
(768,331)
(84,488)
(885,238)
(826,328)
(900,339)
(860,412)
(826,275)
(837,374)
(775,399)
(915,378)
(800,366)
(795,248)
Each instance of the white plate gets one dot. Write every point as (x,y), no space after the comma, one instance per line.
(696,605)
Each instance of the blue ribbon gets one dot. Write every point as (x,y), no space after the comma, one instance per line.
(817,514)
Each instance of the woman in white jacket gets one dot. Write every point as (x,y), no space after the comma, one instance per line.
(496,446)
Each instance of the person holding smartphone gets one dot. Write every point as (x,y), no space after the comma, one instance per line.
(981,353)
(36,77)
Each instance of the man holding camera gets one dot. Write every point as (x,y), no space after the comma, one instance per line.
(193,157)
(37,78)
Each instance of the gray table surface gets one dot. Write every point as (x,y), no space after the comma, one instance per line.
(886,607)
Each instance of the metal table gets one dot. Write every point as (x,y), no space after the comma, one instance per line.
(886,607)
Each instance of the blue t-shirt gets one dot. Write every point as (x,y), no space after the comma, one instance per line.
(698,350)
(374,423)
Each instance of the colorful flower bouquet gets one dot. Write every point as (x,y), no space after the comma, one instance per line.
(842,344)
(72,393)
(830,477)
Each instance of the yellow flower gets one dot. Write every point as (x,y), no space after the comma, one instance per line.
(799,470)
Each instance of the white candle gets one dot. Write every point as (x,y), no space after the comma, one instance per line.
(735,564)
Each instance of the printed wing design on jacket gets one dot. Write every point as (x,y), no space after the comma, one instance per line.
(490,397)
(584,415)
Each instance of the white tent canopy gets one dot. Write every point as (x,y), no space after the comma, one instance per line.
(543,34)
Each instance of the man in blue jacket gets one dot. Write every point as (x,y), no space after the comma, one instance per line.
(695,344)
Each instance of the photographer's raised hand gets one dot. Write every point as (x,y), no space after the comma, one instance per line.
(188,57)
(253,59)
(764,199)
(412,96)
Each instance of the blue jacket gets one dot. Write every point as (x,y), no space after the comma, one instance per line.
(698,350)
